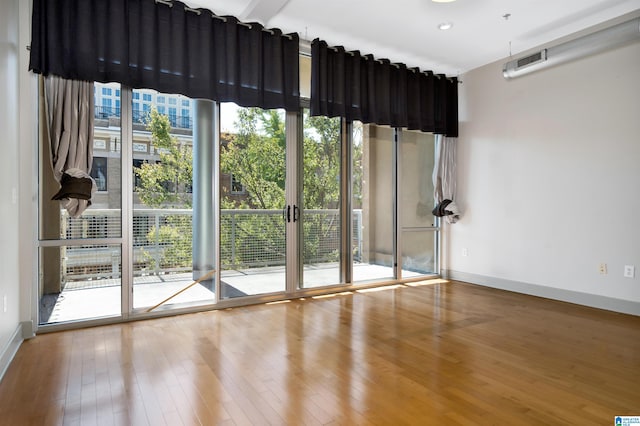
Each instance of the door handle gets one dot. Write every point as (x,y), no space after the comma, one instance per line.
(296,213)
(288,213)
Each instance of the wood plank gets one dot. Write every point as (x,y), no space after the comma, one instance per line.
(449,353)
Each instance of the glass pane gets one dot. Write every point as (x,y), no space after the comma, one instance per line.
(83,282)
(321,200)
(79,282)
(372,202)
(252,199)
(305,76)
(162,199)
(417,152)
(418,253)
(102,218)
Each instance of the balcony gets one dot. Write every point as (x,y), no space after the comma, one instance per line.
(140,117)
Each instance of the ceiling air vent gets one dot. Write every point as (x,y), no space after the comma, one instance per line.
(599,41)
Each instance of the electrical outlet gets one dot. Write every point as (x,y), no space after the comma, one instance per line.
(465,252)
(603,268)
(629,271)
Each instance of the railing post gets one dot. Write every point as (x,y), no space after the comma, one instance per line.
(233,239)
(156,251)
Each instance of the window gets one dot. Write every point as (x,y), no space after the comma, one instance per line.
(160,99)
(137,181)
(146,97)
(118,107)
(136,95)
(106,91)
(184,119)
(106,107)
(117,93)
(172,101)
(236,186)
(185,102)
(99,172)
(172,116)
(162,109)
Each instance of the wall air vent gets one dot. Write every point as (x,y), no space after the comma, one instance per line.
(532,59)
(599,41)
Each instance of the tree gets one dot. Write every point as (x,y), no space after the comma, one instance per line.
(255,155)
(167,182)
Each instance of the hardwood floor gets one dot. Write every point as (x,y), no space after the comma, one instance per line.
(441,354)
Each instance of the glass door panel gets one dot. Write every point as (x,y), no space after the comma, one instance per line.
(253,211)
(418,237)
(80,255)
(372,202)
(163,248)
(321,224)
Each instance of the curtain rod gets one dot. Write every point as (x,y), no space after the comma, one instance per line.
(380,61)
(222,18)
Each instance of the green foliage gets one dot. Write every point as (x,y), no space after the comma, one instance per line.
(255,155)
(175,243)
(166,182)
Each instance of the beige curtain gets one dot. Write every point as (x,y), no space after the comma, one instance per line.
(444,179)
(69,132)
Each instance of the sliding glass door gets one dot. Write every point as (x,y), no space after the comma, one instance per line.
(293,204)
(321,220)
(253,211)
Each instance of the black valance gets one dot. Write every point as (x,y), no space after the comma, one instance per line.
(167,47)
(347,84)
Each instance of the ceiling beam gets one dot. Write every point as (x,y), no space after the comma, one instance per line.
(262,10)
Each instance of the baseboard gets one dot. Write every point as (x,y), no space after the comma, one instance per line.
(10,349)
(579,298)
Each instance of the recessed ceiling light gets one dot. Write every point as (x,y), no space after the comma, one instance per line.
(445,25)
(443,1)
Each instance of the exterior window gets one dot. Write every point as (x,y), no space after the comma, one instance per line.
(146,108)
(99,172)
(106,107)
(146,97)
(236,186)
(185,102)
(117,93)
(172,116)
(160,99)
(162,109)
(137,181)
(106,91)
(184,119)
(136,95)
(118,107)
(172,101)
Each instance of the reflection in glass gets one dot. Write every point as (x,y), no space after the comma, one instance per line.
(372,202)
(418,239)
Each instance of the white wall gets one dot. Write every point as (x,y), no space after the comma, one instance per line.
(9,180)
(549,180)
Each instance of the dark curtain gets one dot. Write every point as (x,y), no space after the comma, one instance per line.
(356,87)
(144,44)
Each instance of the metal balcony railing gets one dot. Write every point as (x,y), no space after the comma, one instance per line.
(141,117)
(162,240)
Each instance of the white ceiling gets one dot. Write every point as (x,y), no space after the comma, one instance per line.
(407,30)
